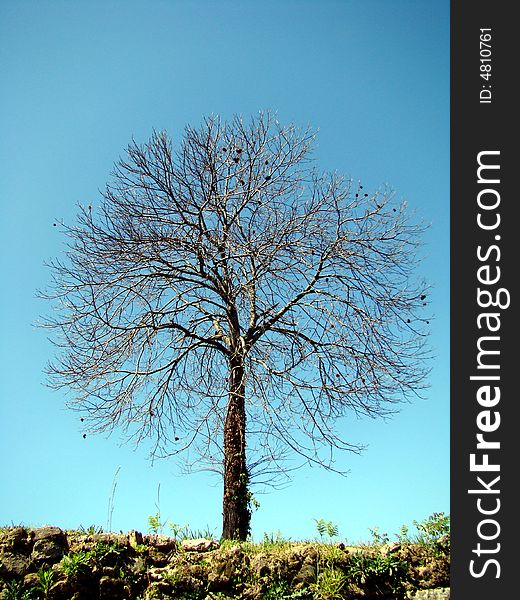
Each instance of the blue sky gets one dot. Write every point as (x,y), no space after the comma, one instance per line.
(79,80)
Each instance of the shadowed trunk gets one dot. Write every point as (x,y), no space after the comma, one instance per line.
(236,513)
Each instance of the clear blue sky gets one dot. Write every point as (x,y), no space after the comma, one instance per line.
(79,79)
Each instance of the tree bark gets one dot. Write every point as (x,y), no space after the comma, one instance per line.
(236,513)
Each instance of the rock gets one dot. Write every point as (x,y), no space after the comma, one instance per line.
(157,573)
(111,539)
(63,590)
(112,589)
(217,581)
(112,557)
(294,563)
(138,566)
(16,540)
(47,551)
(196,571)
(48,533)
(30,580)
(261,566)
(391,548)
(438,594)
(50,544)
(135,538)
(109,572)
(155,558)
(199,545)
(162,543)
(188,586)
(307,573)
(158,589)
(14,565)
(227,565)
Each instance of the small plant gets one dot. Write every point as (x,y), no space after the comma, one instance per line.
(140,548)
(73,564)
(432,528)
(45,581)
(172,577)
(326,528)
(154,523)
(403,535)
(15,591)
(382,573)
(206,533)
(101,549)
(277,590)
(108,555)
(91,529)
(110,510)
(329,580)
(13,525)
(378,539)
(432,534)
(179,532)
(330,554)
(329,584)
(273,540)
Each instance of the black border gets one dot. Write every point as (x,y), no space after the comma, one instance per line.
(477,127)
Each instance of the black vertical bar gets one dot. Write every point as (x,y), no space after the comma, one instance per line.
(485,233)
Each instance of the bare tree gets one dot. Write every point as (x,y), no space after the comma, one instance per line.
(230,291)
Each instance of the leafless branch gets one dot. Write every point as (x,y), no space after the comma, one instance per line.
(235,246)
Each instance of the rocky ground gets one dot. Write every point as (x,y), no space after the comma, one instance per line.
(50,563)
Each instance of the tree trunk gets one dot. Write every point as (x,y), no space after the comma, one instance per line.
(236,513)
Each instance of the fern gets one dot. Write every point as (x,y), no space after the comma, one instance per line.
(326,528)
